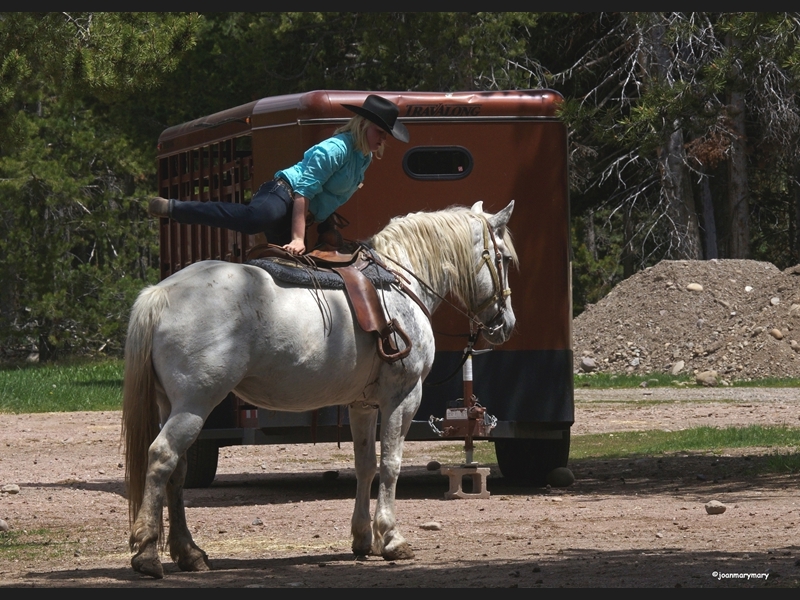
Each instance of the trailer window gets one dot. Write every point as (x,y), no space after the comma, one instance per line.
(437,162)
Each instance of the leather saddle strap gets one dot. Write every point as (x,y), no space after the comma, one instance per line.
(402,283)
(369,313)
(407,290)
(315,258)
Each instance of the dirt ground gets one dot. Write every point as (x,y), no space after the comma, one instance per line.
(276,516)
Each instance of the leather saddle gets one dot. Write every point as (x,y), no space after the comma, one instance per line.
(354,268)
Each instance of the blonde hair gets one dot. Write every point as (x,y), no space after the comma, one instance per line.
(357,126)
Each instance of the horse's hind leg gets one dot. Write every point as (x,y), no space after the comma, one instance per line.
(175,437)
(363,424)
(182,549)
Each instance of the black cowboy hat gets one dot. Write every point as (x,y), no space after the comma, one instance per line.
(383,113)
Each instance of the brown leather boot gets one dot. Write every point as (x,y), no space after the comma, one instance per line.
(159,207)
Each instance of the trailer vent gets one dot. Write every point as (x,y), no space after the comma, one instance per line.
(437,162)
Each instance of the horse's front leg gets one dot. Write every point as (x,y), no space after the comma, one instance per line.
(363,425)
(182,549)
(389,543)
(164,453)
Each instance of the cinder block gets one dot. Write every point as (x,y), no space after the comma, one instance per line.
(457,474)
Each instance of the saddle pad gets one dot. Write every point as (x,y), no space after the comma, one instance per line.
(306,276)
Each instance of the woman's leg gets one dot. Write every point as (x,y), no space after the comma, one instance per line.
(268,212)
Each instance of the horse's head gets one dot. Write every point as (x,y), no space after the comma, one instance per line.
(494,254)
(459,251)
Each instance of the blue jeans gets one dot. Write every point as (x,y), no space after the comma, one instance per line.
(269,212)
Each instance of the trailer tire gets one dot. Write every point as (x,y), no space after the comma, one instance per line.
(201,468)
(529,461)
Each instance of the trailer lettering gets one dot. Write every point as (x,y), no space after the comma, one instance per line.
(442,110)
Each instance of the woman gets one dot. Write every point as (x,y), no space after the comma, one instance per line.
(327,176)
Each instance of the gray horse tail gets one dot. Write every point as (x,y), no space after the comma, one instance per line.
(140,417)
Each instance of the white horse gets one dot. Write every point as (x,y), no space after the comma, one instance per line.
(216,327)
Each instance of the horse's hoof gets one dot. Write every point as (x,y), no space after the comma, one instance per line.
(195,561)
(148,565)
(362,552)
(400,552)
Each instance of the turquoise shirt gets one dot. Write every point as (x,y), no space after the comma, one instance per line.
(328,175)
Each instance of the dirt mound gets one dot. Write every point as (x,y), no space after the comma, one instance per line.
(739,318)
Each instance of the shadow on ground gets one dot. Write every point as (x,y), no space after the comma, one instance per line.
(571,568)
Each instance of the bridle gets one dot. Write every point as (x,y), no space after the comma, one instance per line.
(501,290)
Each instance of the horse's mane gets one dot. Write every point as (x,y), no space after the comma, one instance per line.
(438,247)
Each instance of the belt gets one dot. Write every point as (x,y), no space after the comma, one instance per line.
(285,184)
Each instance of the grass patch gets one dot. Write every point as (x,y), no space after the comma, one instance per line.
(639,403)
(621,381)
(453,454)
(613,381)
(768,382)
(62,388)
(630,444)
(34,545)
(711,439)
(783,463)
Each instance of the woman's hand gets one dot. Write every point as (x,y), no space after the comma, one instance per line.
(295,247)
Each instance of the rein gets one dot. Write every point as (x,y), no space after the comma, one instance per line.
(468,351)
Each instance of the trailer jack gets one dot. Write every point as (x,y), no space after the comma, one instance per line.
(467,418)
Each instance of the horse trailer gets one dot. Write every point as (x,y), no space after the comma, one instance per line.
(465,147)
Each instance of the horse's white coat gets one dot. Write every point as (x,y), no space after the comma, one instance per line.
(216,327)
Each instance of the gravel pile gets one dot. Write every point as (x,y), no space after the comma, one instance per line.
(737,318)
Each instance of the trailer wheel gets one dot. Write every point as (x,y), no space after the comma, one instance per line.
(201,468)
(529,461)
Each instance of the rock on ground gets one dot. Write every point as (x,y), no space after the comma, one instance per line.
(739,318)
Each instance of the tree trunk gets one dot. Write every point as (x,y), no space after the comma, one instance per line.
(738,205)
(709,221)
(677,191)
(738,187)
(794,226)
(676,188)
(591,238)
(627,247)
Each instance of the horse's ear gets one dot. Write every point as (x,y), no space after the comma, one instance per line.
(478,207)
(500,219)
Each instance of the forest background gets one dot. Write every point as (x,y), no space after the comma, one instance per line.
(683,134)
